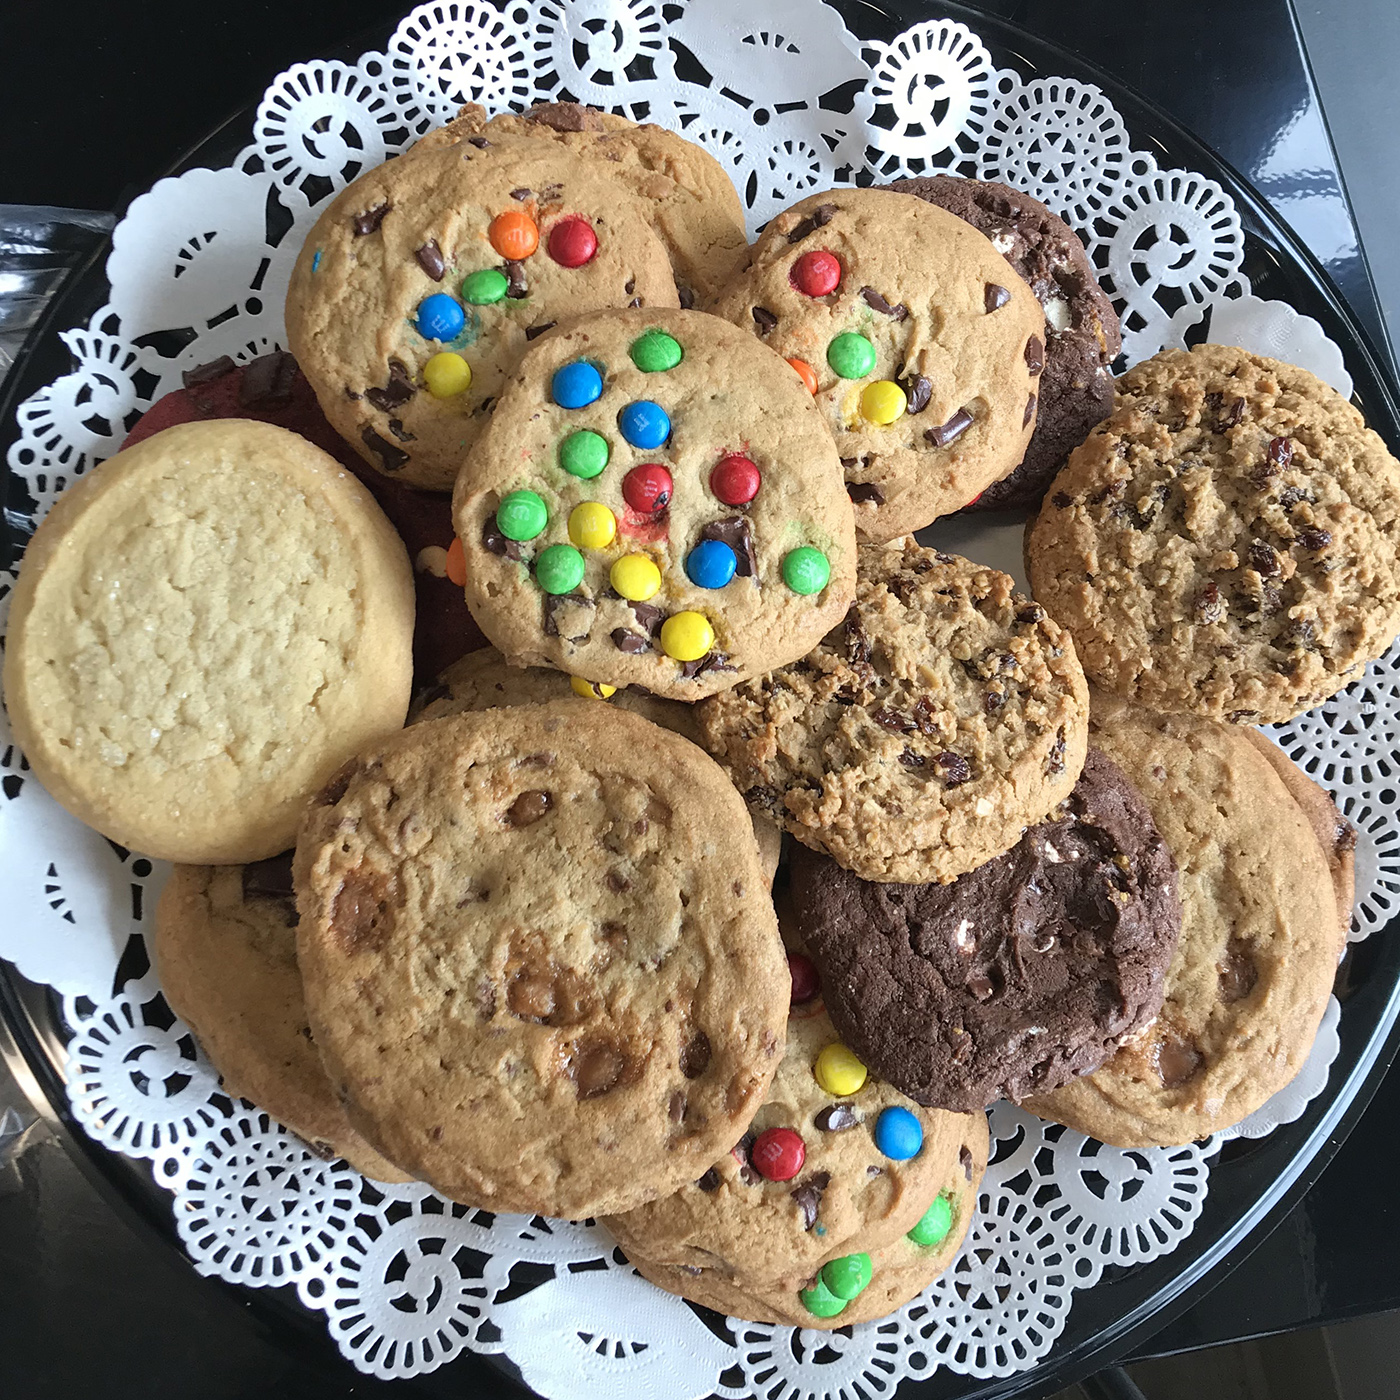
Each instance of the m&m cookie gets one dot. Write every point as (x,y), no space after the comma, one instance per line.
(917,340)
(655,502)
(423,282)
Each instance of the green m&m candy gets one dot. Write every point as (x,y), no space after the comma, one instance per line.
(485,287)
(820,1301)
(521,515)
(936,1222)
(559,569)
(849,1276)
(852,356)
(806,570)
(655,351)
(584,453)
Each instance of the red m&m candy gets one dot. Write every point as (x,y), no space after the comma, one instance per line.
(647,488)
(572,242)
(778,1154)
(735,479)
(816,274)
(805,981)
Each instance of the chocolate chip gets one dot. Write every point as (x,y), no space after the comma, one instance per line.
(267,380)
(563,607)
(1264,560)
(396,392)
(1238,973)
(685,296)
(1031,614)
(1314,539)
(809,1197)
(370,220)
(994,297)
(650,616)
(480,142)
(1035,355)
(532,331)
(399,431)
(431,260)
(965,1162)
(818,218)
(1346,837)
(522,193)
(836,1118)
(950,431)
(617,882)
(565,116)
(695,1055)
(710,1181)
(338,785)
(1175,1060)
(358,921)
(392,458)
(269,879)
(764,319)
(953,768)
(863,491)
(711,661)
(516,286)
(876,302)
(598,1069)
(737,534)
(1061,501)
(494,542)
(1029,413)
(675,1110)
(1210,606)
(629,642)
(740,1152)
(208,372)
(528,808)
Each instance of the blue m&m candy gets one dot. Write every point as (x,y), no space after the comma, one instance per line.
(576,385)
(439,317)
(710,564)
(898,1134)
(644,424)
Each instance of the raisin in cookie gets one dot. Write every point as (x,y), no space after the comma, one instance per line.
(945,715)
(540,959)
(205,627)
(1018,976)
(225,945)
(1227,543)
(921,346)
(693,204)
(656,502)
(1082,335)
(1258,948)
(423,282)
(483,681)
(862,1285)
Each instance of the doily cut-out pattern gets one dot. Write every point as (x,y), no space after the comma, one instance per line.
(789,101)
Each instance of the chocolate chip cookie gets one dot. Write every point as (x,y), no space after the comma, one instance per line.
(225,945)
(205,627)
(941,718)
(483,681)
(1019,975)
(540,959)
(423,282)
(1253,967)
(656,502)
(918,342)
(1227,543)
(1082,335)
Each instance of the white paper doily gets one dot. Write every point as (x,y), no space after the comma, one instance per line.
(199,268)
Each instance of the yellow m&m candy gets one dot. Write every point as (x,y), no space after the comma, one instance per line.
(838,1071)
(447,374)
(686,636)
(592,525)
(592,690)
(635,577)
(882,402)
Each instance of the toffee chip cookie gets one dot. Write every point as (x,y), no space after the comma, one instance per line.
(226,947)
(921,346)
(860,1286)
(656,502)
(941,718)
(483,681)
(1082,335)
(1227,543)
(205,627)
(1018,976)
(424,281)
(540,959)
(1254,965)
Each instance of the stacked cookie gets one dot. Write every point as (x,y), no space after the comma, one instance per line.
(527,948)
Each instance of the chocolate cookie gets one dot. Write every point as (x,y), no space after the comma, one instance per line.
(423,282)
(1019,975)
(540,959)
(1254,964)
(926,732)
(921,346)
(226,947)
(657,503)
(1227,543)
(1082,336)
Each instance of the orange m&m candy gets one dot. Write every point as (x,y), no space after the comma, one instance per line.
(514,235)
(456,563)
(807,374)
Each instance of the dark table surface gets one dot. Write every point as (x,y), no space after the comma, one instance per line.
(155,78)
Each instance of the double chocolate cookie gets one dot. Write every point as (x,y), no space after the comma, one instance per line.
(1017,976)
